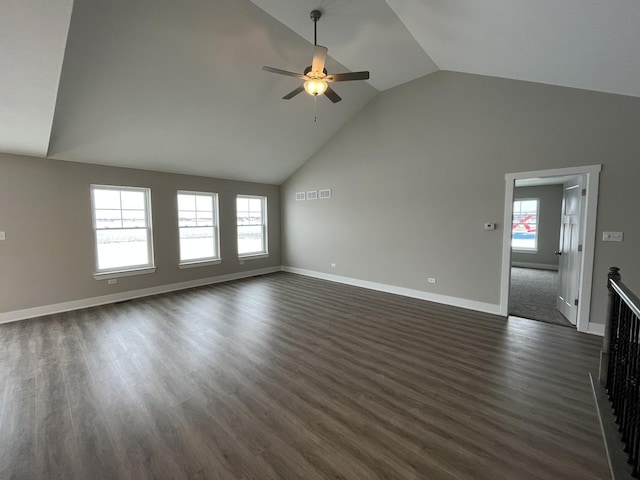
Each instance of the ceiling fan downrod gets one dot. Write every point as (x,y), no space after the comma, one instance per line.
(315,16)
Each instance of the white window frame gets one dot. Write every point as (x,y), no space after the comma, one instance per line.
(265,229)
(131,270)
(205,261)
(525,249)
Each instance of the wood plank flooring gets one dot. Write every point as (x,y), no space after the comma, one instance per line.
(288,377)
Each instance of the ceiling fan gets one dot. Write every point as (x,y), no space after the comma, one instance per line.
(316,78)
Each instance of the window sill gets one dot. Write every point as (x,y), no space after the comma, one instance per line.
(203,263)
(257,256)
(522,250)
(124,273)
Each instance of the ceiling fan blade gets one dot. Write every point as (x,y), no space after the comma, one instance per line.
(331,94)
(284,72)
(319,57)
(293,93)
(346,77)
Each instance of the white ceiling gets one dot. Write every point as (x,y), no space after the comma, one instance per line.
(178,86)
(588,44)
(32,40)
(163,87)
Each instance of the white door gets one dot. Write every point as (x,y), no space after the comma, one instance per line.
(570,250)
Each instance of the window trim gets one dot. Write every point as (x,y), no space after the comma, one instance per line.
(204,261)
(533,250)
(265,229)
(130,270)
(200,263)
(124,273)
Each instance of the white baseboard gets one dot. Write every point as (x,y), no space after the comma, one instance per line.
(596,329)
(539,266)
(122,296)
(406,292)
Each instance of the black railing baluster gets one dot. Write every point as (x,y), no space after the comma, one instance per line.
(615,363)
(625,404)
(632,422)
(615,345)
(630,401)
(621,368)
(635,451)
(607,356)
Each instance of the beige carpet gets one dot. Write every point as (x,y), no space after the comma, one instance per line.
(533,295)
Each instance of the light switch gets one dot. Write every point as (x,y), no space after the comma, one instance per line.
(2,236)
(612,236)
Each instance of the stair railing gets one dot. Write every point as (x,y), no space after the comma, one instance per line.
(620,364)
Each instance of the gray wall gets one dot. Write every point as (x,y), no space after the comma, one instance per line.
(420,169)
(549,220)
(45,210)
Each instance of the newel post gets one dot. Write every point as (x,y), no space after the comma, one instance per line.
(614,274)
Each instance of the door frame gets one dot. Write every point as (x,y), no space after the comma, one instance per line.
(592,176)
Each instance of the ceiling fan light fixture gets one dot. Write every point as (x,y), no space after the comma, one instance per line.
(315,86)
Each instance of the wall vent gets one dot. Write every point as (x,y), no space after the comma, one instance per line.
(300,196)
(326,193)
(312,195)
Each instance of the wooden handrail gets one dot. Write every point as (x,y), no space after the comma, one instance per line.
(627,296)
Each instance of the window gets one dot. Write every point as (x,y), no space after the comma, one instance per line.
(122,227)
(198,226)
(524,230)
(251,215)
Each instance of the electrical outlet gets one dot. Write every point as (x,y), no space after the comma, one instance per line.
(432,280)
(333,265)
(112,281)
(2,236)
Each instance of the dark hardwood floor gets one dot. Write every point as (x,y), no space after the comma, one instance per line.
(288,377)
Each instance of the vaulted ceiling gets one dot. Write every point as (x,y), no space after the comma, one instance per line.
(178,86)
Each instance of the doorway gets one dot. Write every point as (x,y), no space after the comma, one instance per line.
(581,266)
(545,253)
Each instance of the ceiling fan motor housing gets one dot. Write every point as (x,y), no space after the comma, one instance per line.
(308,69)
